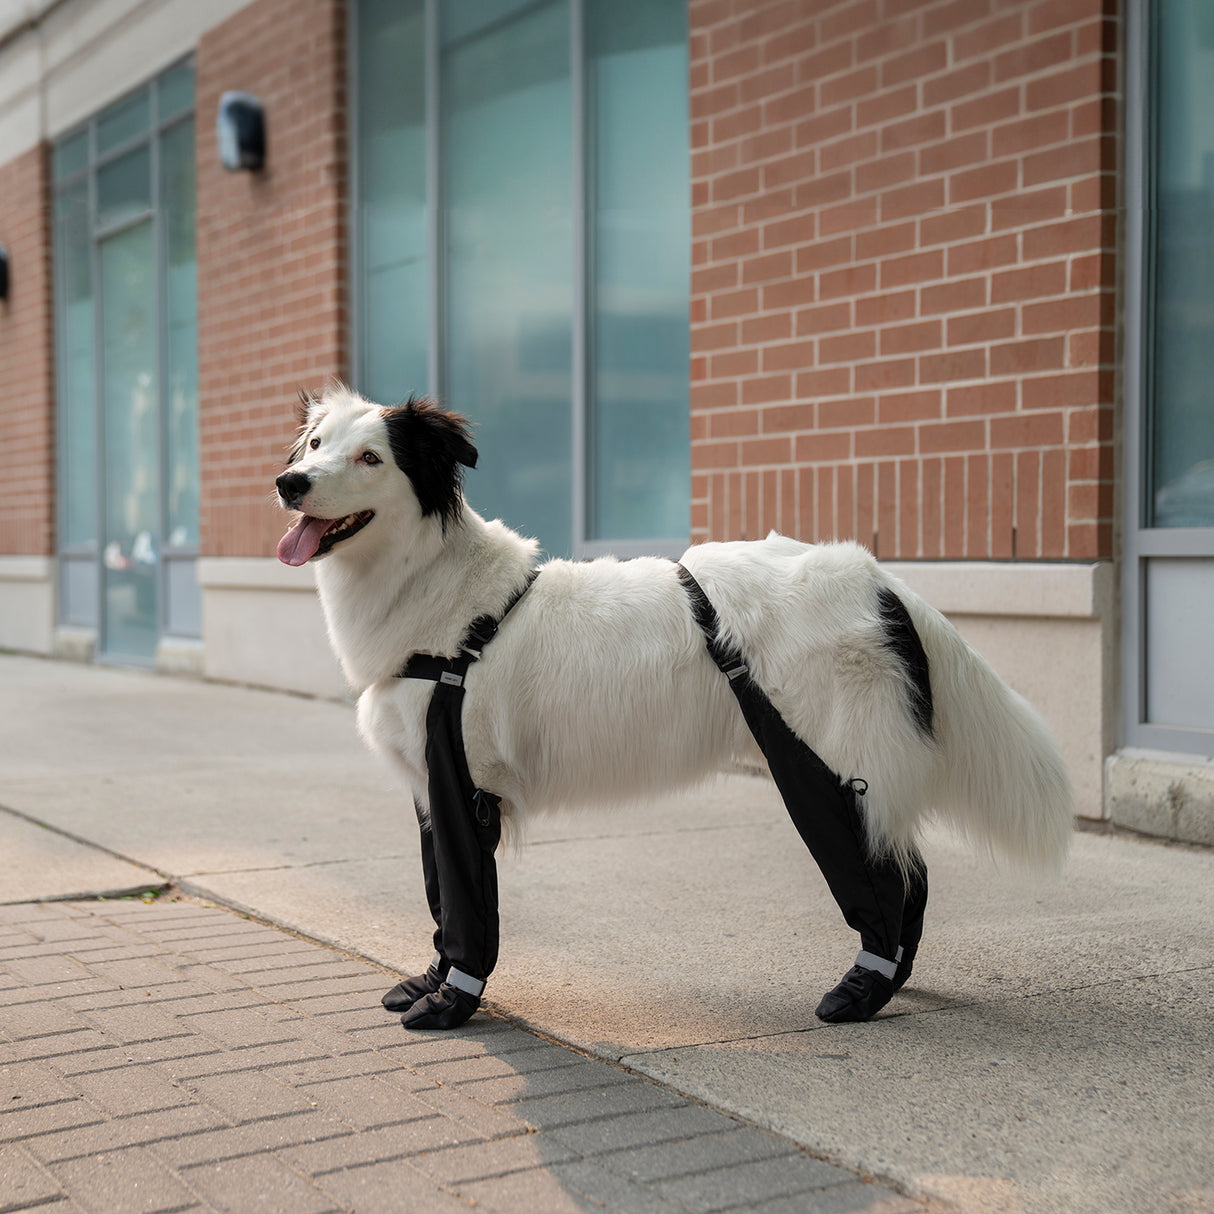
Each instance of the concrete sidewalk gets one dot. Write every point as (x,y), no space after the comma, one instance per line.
(1053,1051)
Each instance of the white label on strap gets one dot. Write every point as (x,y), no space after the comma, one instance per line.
(452,680)
(465,982)
(870,961)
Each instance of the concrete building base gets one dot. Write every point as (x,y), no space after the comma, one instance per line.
(1157,795)
(27,603)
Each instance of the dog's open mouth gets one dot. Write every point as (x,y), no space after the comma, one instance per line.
(311,537)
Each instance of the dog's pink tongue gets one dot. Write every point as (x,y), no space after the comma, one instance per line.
(299,544)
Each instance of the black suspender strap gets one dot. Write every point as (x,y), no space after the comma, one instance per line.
(482,630)
(730,661)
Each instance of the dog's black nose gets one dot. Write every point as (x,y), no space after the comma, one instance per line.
(293,488)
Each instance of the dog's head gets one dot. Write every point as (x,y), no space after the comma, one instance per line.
(357,464)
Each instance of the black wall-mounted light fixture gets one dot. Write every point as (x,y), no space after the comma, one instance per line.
(3,272)
(241,127)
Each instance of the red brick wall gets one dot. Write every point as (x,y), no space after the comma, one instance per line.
(903,273)
(27,398)
(271,257)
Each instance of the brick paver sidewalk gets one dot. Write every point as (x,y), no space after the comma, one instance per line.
(174,1056)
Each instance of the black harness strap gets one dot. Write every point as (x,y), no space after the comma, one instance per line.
(481,631)
(464,826)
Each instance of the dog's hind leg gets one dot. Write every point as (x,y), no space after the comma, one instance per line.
(912,918)
(879,901)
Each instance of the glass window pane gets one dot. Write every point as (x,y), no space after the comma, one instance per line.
(640,234)
(1182,418)
(77,402)
(181,335)
(71,154)
(395,272)
(124,187)
(175,91)
(461,21)
(507,158)
(131,541)
(122,121)
(1177,598)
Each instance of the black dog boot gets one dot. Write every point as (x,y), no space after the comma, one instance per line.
(449,1006)
(860,996)
(407,992)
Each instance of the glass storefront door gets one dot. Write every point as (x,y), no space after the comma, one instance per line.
(127,371)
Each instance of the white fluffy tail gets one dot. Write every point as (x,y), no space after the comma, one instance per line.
(1004,784)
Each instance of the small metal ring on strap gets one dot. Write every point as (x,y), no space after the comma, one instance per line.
(464,982)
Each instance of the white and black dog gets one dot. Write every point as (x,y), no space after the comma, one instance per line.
(600,687)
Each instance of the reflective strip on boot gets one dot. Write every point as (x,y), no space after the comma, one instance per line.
(465,982)
(870,961)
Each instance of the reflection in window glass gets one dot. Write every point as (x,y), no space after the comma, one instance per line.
(132,439)
(77,401)
(507,160)
(1182,404)
(640,462)
(124,187)
(180,338)
(71,154)
(175,91)
(504,288)
(394,316)
(123,121)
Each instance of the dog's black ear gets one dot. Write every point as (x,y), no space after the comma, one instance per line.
(430,445)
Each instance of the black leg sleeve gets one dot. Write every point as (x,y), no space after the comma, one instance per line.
(870,890)
(430,877)
(465,826)
(915,906)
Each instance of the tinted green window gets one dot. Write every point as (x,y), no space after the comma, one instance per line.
(394,271)
(523,202)
(640,442)
(124,120)
(77,370)
(508,187)
(1182,411)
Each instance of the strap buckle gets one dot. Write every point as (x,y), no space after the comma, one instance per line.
(480,633)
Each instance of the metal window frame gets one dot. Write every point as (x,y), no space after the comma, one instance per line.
(582,393)
(1141,542)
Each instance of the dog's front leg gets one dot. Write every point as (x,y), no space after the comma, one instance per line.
(459,837)
(407,992)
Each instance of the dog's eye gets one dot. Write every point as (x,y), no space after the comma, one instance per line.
(369,457)
(314,443)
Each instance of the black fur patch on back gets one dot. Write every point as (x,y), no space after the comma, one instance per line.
(431,447)
(901,637)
